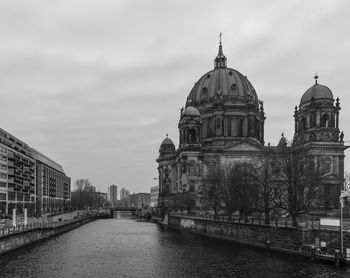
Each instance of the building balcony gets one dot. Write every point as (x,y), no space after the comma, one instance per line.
(18,188)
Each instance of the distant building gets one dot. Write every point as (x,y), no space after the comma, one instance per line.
(29,179)
(139,200)
(17,175)
(154,196)
(52,185)
(101,199)
(124,193)
(112,195)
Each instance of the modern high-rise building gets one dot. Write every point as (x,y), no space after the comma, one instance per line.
(17,175)
(112,194)
(26,176)
(52,186)
(124,193)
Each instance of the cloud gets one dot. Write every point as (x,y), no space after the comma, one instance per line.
(97,85)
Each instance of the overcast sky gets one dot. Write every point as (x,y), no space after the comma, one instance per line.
(96,85)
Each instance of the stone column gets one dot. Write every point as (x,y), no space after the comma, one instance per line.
(25,217)
(318,115)
(337,119)
(14,217)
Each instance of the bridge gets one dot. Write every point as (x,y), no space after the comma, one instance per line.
(123,208)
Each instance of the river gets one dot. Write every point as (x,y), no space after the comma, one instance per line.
(124,247)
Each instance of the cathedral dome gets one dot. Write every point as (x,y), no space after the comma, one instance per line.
(191,111)
(316,92)
(222,84)
(167,147)
(167,141)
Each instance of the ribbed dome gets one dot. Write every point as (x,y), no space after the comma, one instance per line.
(223,83)
(191,111)
(167,141)
(317,92)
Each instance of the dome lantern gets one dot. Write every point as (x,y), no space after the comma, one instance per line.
(220,59)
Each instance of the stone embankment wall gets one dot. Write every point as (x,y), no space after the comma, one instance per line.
(16,240)
(288,240)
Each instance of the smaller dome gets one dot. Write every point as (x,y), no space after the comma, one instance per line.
(167,141)
(191,111)
(317,92)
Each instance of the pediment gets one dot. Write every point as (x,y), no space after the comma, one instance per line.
(330,176)
(245,146)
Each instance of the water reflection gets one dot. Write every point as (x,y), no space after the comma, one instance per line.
(124,247)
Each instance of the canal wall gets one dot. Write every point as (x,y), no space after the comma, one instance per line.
(299,241)
(25,236)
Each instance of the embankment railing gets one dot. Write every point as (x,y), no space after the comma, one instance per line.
(38,225)
(278,223)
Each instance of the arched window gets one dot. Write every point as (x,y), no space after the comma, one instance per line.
(192,168)
(325,120)
(217,123)
(218,128)
(240,127)
(326,164)
(204,93)
(192,137)
(303,124)
(312,119)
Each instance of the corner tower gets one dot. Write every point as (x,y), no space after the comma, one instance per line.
(317,135)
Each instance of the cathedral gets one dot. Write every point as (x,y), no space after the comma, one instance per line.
(223,122)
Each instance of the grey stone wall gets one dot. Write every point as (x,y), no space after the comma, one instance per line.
(17,240)
(288,240)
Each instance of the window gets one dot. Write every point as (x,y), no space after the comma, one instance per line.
(204,92)
(3,196)
(240,128)
(19,196)
(3,176)
(192,169)
(3,167)
(2,184)
(217,123)
(303,124)
(2,158)
(325,120)
(326,166)
(192,137)
(313,119)
(11,196)
(192,187)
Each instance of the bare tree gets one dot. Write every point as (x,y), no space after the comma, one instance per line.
(246,188)
(265,175)
(84,194)
(185,201)
(299,183)
(237,188)
(229,187)
(211,190)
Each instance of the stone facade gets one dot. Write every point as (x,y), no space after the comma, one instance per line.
(223,122)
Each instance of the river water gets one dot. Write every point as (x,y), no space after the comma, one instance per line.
(124,247)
